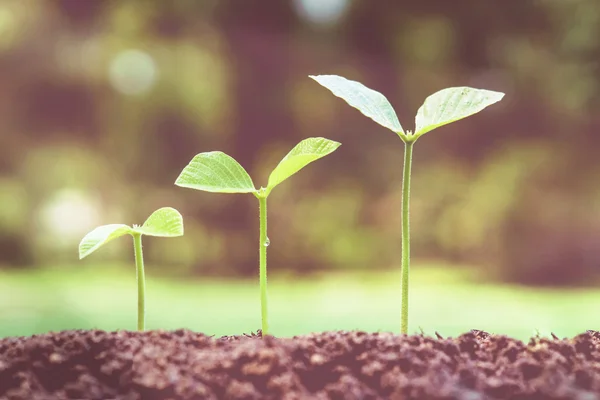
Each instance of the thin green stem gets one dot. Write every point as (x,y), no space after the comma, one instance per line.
(264,242)
(141,281)
(406,233)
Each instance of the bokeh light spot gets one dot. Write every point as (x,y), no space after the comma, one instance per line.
(133,72)
(69,213)
(322,12)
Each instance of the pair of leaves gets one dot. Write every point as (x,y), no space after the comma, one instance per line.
(441,108)
(164,222)
(215,171)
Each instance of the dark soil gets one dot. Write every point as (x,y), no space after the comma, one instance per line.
(333,365)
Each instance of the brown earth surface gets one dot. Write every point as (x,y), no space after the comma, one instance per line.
(333,365)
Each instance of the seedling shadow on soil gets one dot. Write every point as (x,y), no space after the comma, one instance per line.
(181,364)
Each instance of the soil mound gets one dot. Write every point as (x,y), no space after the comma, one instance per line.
(333,365)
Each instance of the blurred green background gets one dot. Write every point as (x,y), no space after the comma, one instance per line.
(102,103)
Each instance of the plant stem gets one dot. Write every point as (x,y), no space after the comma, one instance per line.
(141,281)
(264,242)
(406,233)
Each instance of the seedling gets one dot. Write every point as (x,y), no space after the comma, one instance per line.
(441,108)
(217,172)
(164,222)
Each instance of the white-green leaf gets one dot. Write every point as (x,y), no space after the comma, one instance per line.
(452,104)
(100,236)
(164,222)
(215,171)
(368,101)
(301,155)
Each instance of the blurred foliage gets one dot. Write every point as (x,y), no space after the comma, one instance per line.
(103,296)
(103,102)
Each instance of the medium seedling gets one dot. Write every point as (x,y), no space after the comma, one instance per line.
(164,222)
(217,172)
(441,108)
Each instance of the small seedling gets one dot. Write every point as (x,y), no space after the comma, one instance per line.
(217,172)
(164,222)
(441,108)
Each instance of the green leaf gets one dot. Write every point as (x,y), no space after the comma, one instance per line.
(301,155)
(215,171)
(164,222)
(100,236)
(368,101)
(452,104)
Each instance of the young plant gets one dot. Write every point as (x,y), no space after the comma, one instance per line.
(164,222)
(441,108)
(217,172)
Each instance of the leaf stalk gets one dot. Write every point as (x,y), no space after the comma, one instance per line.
(141,281)
(264,242)
(408,148)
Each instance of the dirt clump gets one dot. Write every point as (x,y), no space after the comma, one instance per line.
(181,364)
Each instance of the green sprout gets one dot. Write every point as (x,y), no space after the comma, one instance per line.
(164,222)
(217,172)
(441,108)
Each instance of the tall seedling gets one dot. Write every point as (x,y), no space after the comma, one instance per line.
(217,172)
(441,108)
(164,222)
